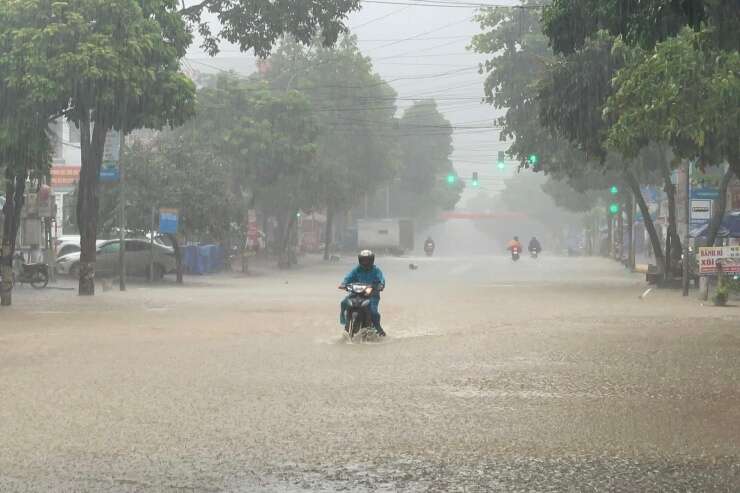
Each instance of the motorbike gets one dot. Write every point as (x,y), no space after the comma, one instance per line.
(534,253)
(515,253)
(429,249)
(37,274)
(359,324)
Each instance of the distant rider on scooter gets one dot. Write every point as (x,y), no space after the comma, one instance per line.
(534,246)
(514,244)
(429,246)
(365,273)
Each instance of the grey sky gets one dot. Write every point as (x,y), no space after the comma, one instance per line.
(422,51)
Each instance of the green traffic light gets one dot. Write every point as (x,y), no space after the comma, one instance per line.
(451,179)
(501,165)
(534,159)
(614,190)
(614,208)
(476,183)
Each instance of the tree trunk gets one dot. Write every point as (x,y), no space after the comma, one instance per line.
(14,191)
(178,256)
(719,211)
(673,240)
(649,224)
(630,232)
(87,199)
(328,236)
(283,257)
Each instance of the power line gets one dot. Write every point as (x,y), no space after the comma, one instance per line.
(354,28)
(419,35)
(450,4)
(432,38)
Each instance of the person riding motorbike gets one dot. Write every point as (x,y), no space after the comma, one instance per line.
(534,245)
(429,244)
(365,273)
(515,243)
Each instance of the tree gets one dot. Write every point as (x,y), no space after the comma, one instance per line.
(560,122)
(569,23)
(116,64)
(245,143)
(256,24)
(513,38)
(683,93)
(25,152)
(573,97)
(425,146)
(176,172)
(354,111)
(679,82)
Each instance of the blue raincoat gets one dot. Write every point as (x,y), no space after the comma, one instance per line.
(358,275)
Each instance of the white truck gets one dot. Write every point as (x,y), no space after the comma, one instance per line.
(394,236)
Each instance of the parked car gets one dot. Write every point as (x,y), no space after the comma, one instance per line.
(66,244)
(137,259)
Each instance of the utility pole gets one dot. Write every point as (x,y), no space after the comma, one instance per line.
(631,232)
(620,234)
(388,200)
(122,217)
(151,247)
(687,221)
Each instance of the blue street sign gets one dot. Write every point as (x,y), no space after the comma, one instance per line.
(704,193)
(168,219)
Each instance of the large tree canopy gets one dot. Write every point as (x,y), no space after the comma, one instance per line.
(569,23)
(425,146)
(685,94)
(258,24)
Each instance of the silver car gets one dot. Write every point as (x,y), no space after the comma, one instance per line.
(137,259)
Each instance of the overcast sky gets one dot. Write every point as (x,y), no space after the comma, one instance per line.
(424,47)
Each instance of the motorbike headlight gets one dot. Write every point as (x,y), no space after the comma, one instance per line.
(368,291)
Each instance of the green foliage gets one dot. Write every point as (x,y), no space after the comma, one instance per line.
(354,113)
(258,24)
(425,145)
(258,133)
(246,144)
(683,93)
(573,93)
(519,57)
(569,23)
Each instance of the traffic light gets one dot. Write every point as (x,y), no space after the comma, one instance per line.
(533,160)
(614,190)
(614,208)
(475,180)
(501,162)
(451,179)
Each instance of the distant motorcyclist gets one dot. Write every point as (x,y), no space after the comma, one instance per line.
(365,273)
(429,245)
(515,243)
(534,245)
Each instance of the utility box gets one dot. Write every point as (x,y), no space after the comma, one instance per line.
(394,236)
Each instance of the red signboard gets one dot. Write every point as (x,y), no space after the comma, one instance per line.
(483,215)
(64,176)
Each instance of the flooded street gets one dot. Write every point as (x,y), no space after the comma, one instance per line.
(546,375)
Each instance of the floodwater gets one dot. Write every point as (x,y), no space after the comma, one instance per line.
(546,375)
